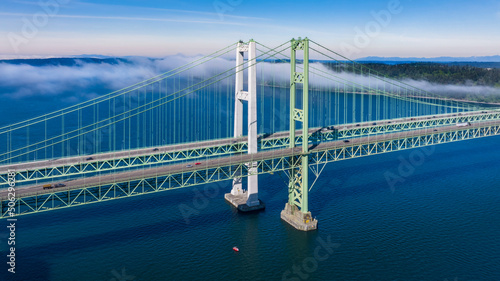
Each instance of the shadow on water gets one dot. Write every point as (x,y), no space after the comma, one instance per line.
(158,228)
(137,203)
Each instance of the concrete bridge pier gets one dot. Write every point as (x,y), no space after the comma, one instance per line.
(299,220)
(247,200)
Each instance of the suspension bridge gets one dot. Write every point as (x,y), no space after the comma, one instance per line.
(288,110)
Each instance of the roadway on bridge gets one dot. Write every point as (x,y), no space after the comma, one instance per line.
(234,160)
(110,156)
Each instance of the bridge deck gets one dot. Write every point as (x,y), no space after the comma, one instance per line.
(236,159)
(110,156)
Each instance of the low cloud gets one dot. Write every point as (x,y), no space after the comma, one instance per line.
(22,81)
(453,90)
(88,79)
(83,80)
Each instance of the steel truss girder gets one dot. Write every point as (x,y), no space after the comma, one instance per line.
(429,122)
(367,130)
(33,203)
(111,165)
(374,148)
(94,167)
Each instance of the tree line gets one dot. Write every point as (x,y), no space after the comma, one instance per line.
(437,73)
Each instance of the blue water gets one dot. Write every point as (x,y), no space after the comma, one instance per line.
(440,223)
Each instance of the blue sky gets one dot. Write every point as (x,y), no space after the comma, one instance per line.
(159,28)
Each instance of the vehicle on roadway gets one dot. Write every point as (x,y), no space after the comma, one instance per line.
(465,124)
(189,166)
(197,163)
(50,186)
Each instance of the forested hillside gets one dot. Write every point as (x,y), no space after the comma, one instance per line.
(440,73)
(478,84)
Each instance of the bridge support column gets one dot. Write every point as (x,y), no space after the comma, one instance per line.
(241,48)
(296,212)
(246,200)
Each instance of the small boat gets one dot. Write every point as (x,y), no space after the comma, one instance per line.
(236,249)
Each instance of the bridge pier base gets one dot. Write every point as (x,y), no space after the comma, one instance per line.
(237,187)
(239,201)
(301,221)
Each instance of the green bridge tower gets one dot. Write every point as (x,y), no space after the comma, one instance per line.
(296,211)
